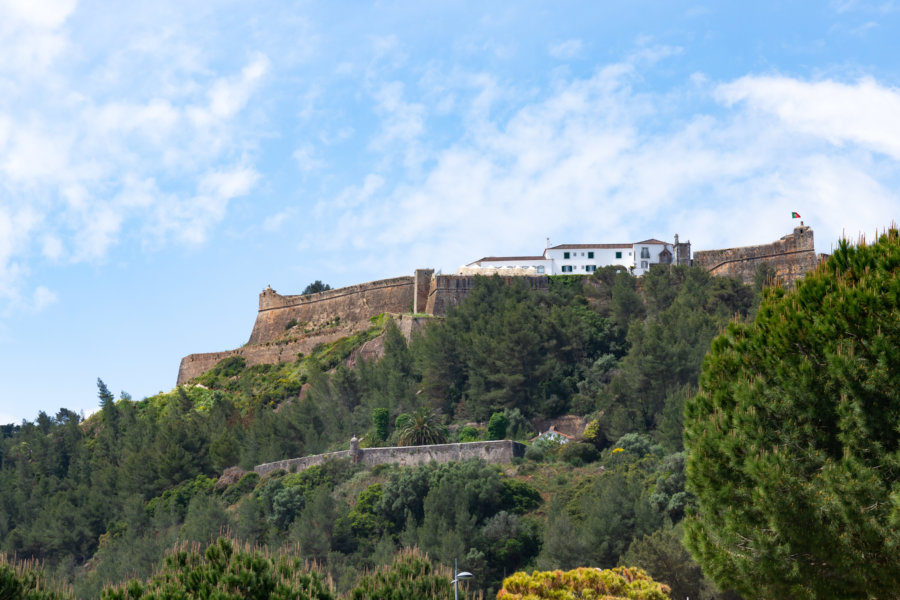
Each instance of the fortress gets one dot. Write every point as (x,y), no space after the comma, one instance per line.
(792,257)
(289,325)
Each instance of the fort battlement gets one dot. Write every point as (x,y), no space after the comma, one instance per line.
(792,257)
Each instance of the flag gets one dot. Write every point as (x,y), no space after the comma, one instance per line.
(795,215)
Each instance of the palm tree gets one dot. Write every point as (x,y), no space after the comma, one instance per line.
(422,428)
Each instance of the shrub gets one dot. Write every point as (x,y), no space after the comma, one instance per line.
(468,434)
(380,420)
(578,452)
(496,428)
(620,583)
(535,453)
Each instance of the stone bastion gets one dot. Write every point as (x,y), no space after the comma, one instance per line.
(792,257)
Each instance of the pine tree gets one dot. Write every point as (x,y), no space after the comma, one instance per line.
(793,441)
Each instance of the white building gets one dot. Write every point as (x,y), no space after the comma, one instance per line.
(584,259)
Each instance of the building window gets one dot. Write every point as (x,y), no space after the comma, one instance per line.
(618,255)
(540,269)
(567,269)
(590,255)
(565,255)
(643,264)
(590,268)
(645,252)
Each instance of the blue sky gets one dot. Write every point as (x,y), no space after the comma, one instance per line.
(162,162)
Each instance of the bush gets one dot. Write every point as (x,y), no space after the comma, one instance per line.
(578,452)
(535,453)
(468,434)
(620,583)
(496,428)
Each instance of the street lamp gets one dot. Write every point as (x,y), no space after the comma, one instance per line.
(457,575)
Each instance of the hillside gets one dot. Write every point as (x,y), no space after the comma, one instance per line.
(102,499)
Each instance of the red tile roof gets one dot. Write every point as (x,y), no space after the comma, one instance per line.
(651,241)
(589,246)
(505,258)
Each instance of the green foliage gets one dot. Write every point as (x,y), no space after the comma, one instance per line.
(578,453)
(27,581)
(519,497)
(176,500)
(410,576)
(793,445)
(468,434)
(422,428)
(229,367)
(664,558)
(619,583)
(236,490)
(315,287)
(594,435)
(227,571)
(380,418)
(497,426)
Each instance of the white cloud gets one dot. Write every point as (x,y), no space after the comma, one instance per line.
(305,156)
(42,298)
(39,13)
(82,161)
(566,50)
(590,163)
(864,113)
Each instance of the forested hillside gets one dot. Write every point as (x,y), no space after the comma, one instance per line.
(101,500)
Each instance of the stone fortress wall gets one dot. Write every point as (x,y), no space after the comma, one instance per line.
(495,452)
(288,325)
(792,257)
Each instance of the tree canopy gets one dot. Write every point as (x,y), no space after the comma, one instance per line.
(793,440)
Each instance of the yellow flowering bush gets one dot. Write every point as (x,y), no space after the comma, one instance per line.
(583,583)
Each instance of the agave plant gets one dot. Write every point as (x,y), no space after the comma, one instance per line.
(423,427)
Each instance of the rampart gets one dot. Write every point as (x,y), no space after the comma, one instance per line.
(792,257)
(449,290)
(496,452)
(353,304)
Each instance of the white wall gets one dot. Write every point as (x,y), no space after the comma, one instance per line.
(578,259)
(654,250)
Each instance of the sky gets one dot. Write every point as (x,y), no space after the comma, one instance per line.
(162,162)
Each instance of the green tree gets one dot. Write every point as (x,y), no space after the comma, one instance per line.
(422,428)
(380,419)
(409,577)
(227,571)
(315,287)
(497,426)
(793,445)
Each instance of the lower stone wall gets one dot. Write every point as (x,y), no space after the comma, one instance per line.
(494,452)
(195,365)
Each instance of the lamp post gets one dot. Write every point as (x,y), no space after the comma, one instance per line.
(457,575)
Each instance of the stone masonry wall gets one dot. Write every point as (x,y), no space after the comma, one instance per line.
(355,304)
(792,257)
(449,290)
(281,351)
(495,452)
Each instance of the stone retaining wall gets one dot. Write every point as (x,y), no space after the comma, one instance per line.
(495,452)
